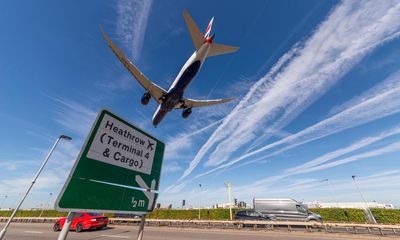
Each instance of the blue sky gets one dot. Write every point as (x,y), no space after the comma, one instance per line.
(316,87)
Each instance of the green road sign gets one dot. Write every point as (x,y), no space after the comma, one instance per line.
(118,170)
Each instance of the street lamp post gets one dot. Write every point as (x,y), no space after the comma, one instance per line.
(199,202)
(228,185)
(331,190)
(64,137)
(46,205)
(371,216)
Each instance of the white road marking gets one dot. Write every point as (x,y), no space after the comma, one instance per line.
(32,232)
(114,236)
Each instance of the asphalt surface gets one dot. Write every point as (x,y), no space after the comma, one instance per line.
(43,231)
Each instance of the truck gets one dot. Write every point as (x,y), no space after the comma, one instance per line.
(286,209)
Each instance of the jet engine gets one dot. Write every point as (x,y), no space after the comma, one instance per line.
(186,112)
(145,99)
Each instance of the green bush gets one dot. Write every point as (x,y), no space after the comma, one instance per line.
(34,213)
(192,214)
(386,216)
(341,214)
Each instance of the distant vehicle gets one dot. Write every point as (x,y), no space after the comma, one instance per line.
(173,98)
(285,209)
(127,215)
(253,215)
(83,221)
(389,206)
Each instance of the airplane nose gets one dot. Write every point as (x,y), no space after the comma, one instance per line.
(159,116)
(156,117)
(155,122)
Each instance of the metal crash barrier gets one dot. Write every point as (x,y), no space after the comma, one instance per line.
(354,228)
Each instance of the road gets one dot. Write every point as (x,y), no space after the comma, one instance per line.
(43,231)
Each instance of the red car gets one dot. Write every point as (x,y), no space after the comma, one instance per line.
(83,221)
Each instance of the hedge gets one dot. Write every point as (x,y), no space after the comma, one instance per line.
(205,214)
(329,214)
(341,214)
(386,216)
(389,216)
(34,213)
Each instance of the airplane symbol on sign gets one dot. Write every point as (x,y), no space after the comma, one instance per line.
(150,145)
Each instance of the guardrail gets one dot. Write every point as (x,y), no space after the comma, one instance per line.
(356,228)
(31,219)
(382,229)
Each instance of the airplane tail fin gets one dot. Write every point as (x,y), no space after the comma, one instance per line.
(198,38)
(208,30)
(195,33)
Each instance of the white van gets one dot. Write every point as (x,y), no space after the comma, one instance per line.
(285,209)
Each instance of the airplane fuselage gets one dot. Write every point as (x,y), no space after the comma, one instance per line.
(175,93)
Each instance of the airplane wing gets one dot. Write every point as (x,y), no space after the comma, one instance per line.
(155,91)
(189,103)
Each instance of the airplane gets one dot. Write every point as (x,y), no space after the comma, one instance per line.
(173,98)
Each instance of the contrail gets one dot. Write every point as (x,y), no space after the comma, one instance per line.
(383,104)
(302,75)
(132,23)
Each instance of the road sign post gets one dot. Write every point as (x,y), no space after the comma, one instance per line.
(118,170)
(141,227)
(67,225)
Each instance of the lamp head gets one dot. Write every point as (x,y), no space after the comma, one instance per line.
(65,137)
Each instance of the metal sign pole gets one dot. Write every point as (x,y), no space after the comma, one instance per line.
(141,227)
(67,225)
